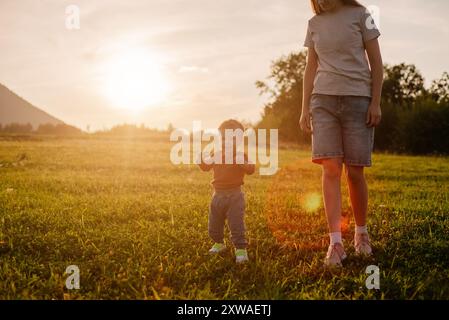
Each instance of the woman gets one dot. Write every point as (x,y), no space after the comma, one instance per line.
(341,106)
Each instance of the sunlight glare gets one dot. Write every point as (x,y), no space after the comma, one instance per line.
(135,81)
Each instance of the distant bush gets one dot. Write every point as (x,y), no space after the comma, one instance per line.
(17,128)
(131,131)
(388,134)
(423,129)
(58,129)
(414,119)
(426,128)
(47,129)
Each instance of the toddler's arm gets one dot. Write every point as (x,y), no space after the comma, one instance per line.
(204,166)
(248,167)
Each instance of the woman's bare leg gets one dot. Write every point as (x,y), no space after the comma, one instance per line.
(358,193)
(332,169)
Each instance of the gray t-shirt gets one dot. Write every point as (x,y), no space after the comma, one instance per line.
(338,38)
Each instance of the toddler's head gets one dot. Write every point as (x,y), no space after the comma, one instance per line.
(230,125)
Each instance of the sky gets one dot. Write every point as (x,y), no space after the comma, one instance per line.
(206,55)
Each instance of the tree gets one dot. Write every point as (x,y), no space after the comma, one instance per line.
(284,107)
(403,84)
(439,90)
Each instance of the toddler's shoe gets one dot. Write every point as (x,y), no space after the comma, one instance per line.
(362,244)
(217,248)
(335,255)
(241,256)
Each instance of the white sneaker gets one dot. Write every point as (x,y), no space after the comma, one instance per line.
(241,256)
(217,248)
(335,255)
(362,244)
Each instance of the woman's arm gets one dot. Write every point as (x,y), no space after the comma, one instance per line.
(374,115)
(309,77)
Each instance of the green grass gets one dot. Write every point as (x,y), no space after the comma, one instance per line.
(136,226)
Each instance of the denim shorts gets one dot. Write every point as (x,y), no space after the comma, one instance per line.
(339,129)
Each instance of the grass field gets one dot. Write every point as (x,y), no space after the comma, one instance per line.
(136,226)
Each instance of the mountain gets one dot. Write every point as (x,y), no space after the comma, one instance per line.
(14,109)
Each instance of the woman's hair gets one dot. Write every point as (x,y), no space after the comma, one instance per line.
(317,10)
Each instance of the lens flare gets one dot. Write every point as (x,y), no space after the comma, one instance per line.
(312,202)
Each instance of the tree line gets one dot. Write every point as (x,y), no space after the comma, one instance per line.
(415,118)
(45,129)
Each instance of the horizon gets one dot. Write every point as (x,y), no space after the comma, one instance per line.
(205,57)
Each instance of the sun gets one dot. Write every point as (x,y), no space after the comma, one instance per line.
(134,80)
